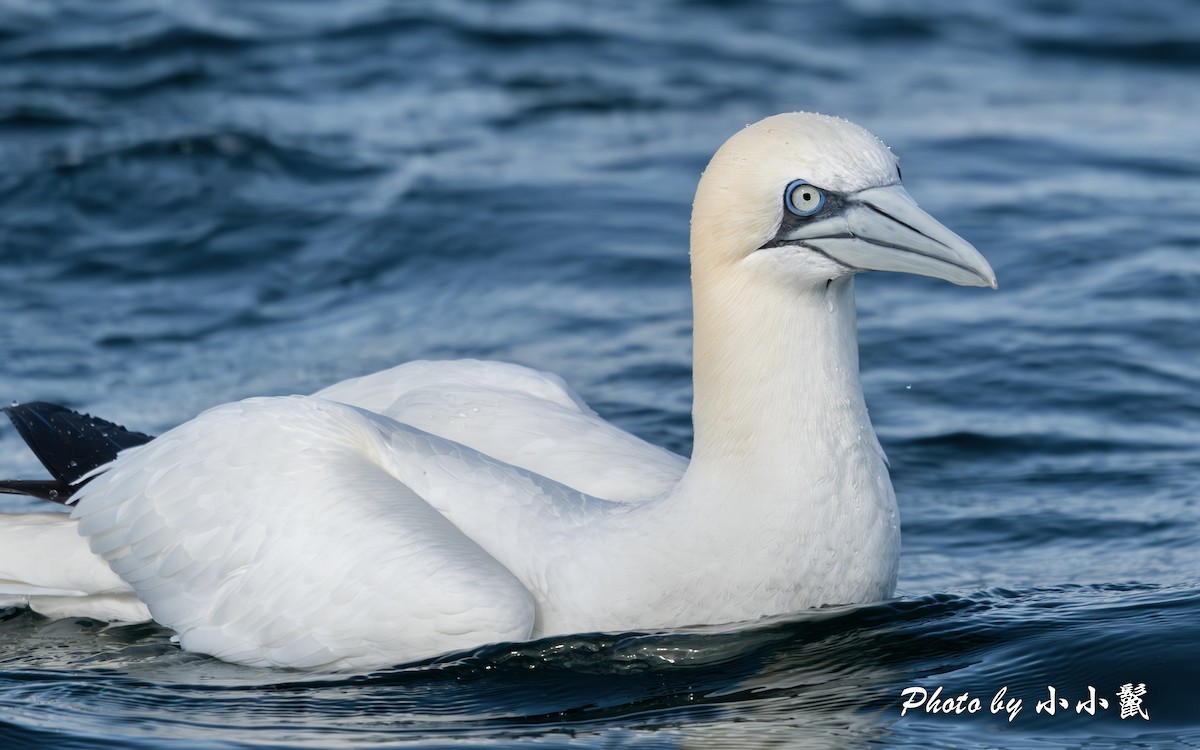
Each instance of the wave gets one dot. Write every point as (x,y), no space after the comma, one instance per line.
(814,668)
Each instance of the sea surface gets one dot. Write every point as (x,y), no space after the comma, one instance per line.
(202,201)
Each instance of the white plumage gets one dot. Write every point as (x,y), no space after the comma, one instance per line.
(442,505)
(521,416)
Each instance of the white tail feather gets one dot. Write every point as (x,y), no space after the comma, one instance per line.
(47,566)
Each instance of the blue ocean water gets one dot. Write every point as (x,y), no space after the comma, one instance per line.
(202,201)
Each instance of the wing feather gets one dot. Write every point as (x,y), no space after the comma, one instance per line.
(255,553)
(378,391)
(522,417)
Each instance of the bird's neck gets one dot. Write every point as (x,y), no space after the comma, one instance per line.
(778,400)
(786,503)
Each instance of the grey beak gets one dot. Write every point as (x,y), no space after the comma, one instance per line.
(883,229)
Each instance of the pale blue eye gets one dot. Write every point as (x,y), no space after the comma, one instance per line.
(803,199)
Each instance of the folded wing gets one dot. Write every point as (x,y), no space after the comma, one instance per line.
(267,532)
(521,416)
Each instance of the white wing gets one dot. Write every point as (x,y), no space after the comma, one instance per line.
(389,518)
(520,416)
(269,532)
(379,390)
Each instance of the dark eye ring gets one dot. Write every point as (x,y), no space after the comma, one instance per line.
(803,199)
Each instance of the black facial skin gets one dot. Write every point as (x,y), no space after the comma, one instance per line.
(834,203)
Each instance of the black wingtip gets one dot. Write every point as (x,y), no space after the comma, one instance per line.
(45,489)
(68,444)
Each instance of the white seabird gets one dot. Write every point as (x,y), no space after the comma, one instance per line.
(443,505)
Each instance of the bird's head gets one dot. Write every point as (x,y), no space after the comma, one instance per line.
(808,198)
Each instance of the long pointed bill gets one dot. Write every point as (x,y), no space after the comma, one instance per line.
(883,229)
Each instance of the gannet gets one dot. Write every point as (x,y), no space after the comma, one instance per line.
(438,506)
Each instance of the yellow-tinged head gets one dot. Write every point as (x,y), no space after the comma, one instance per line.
(815,198)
